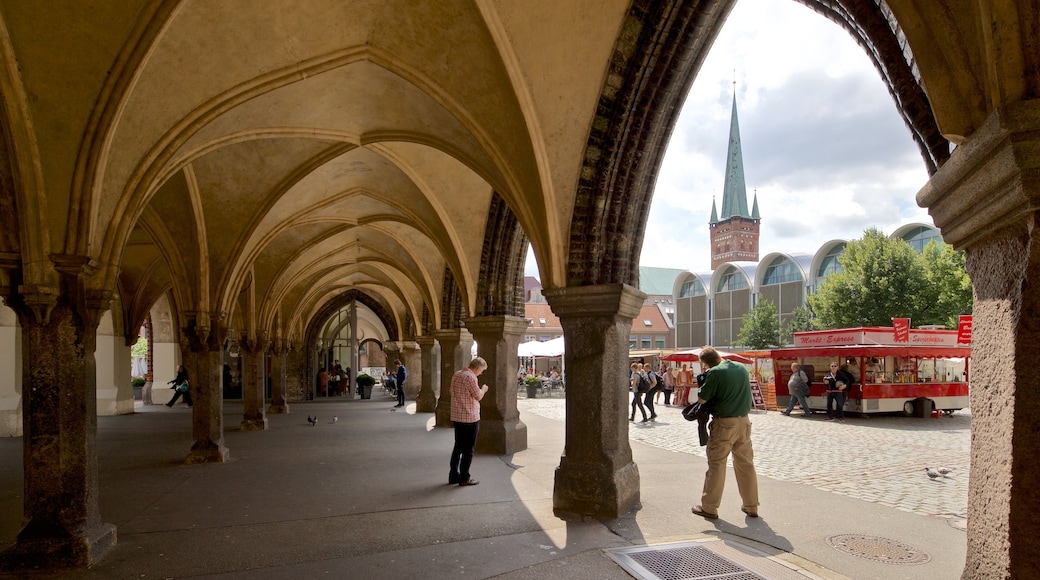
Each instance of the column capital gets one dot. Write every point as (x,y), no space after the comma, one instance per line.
(39,300)
(514,325)
(992,181)
(425,341)
(452,335)
(597,300)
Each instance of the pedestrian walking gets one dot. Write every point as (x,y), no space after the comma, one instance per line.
(727,386)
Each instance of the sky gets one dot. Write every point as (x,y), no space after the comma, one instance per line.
(823,145)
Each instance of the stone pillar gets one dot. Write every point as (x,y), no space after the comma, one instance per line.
(205,365)
(429,353)
(253,416)
(411,357)
(986,201)
(278,404)
(297,385)
(596,476)
(501,430)
(456,352)
(63,526)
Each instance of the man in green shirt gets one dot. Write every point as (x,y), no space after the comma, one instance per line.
(728,389)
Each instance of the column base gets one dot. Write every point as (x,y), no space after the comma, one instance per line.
(207,453)
(253,424)
(425,403)
(77,551)
(595,490)
(443,414)
(501,437)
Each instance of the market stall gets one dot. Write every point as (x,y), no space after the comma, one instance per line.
(925,371)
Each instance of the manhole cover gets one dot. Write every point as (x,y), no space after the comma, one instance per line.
(878,549)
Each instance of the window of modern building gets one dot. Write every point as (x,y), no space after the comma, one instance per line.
(781,270)
(691,287)
(732,280)
(830,264)
(632,343)
(919,237)
(659,342)
(646,343)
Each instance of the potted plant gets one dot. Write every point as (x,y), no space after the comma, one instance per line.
(365,383)
(137,383)
(532,383)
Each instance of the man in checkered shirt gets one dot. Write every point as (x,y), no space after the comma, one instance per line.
(465,414)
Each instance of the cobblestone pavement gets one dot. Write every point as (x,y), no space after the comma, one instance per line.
(873,458)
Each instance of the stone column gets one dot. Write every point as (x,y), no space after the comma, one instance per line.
(501,430)
(63,526)
(986,201)
(205,365)
(253,416)
(596,476)
(426,400)
(456,352)
(278,403)
(411,357)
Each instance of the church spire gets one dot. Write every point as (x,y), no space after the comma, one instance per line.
(714,214)
(734,194)
(754,208)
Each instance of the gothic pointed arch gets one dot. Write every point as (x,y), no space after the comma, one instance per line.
(341,300)
(650,74)
(500,289)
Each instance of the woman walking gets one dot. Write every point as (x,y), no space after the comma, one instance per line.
(180,387)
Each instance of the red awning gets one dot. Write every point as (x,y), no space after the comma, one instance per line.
(694,355)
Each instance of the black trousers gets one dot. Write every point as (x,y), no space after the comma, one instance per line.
(177,395)
(400,394)
(462,453)
(649,401)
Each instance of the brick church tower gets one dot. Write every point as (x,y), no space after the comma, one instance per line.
(734,237)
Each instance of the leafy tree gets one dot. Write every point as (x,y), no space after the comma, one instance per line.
(140,348)
(761,327)
(801,319)
(881,278)
(949,292)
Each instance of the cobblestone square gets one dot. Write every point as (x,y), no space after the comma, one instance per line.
(879,459)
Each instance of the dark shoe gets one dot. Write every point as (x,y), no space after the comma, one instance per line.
(453,481)
(644,420)
(751,514)
(786,413)
(632,418)
(468,483)
(697,509)
(170,405)
(653,417)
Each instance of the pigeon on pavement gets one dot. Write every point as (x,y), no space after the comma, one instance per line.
(944,471)
(312,420)
(932,473)
(334,419)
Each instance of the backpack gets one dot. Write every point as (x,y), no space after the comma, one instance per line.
(808,382)
(642,382)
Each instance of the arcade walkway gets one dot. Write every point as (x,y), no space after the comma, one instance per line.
(366,497)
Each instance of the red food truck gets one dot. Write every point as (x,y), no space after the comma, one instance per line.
(925,372)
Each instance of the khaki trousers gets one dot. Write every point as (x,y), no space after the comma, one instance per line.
(730,435)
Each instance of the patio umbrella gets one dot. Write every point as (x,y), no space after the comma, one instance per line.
(694,355)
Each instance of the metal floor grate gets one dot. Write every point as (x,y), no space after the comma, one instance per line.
(704,560)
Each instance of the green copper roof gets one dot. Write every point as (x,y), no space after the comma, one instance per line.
(734,195)
(714,214)
(754,209)
(657,280)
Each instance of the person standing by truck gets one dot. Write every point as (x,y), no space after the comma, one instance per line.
(838,381)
